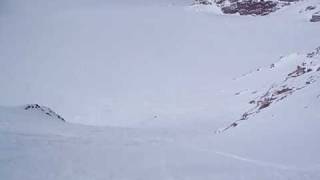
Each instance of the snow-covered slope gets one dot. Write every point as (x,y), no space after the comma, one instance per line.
(281,80)
(280,147)
(162,77)
(113,64)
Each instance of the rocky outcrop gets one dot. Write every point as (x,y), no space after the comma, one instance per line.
(250,7)
(203,2)
(43,109)
(247,7)
(305,73)
(315,17)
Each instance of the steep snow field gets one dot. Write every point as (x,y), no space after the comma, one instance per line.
(157,90)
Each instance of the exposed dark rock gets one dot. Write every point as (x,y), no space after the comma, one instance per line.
(315,17)
(314,53)
(284,90)
(31,106)
(298,72)
(289,0)
(249,7)
(43,109)
(218,2)
(232,9)
(244,117)
(204,2)
(234,124)
(265,103)
(309,8)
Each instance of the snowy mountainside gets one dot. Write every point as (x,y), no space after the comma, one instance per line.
(286,77)
(143,87)
(124,65)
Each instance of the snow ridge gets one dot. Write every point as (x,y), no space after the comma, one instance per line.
(300,72)
(43,109)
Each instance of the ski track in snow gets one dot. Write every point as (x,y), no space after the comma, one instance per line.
(260,163)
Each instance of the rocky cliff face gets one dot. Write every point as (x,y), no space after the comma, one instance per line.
(248,7)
